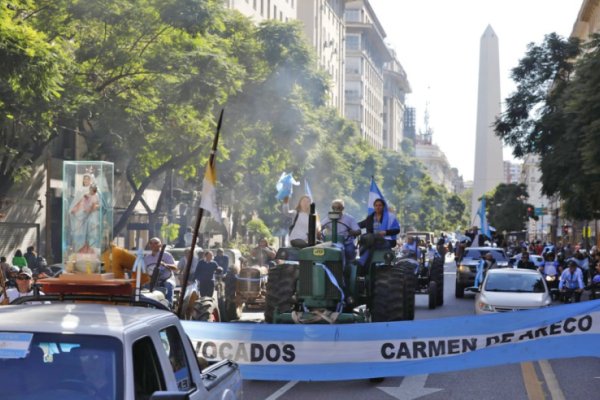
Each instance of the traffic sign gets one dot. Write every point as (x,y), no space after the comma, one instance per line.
(541,211)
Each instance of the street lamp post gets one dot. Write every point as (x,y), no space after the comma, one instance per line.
(542,226)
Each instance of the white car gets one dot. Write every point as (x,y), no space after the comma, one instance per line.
(511,289)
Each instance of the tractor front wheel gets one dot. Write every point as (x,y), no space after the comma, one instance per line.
(281,285)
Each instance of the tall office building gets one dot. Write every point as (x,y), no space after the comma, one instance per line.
(488,148)
(395,88)
(366,54)
(260,10)
(323,22)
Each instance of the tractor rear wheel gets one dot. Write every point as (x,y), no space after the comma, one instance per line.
(392,293)
(437,276)
(281,285)
(205,309)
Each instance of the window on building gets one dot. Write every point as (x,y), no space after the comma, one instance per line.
(353,42)
(353,112)
(352,15)
(353,65)
(352,91)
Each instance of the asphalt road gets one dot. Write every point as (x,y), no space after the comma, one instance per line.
(577,378)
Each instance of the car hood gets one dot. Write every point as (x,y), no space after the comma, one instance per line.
(517,300)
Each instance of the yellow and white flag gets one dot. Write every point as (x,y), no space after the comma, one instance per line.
(209,191)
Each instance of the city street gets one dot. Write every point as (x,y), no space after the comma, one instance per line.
(553,379)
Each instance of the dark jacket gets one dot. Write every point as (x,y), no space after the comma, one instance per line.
(526,264)
(368,223)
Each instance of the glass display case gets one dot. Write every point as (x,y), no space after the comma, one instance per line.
(87,212)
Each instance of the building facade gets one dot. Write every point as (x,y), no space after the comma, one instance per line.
(531,176)
(395,88)
(261,10)
(323,22)
(512,172)
(588,20)
(366,55)
(410,123)
(435,162)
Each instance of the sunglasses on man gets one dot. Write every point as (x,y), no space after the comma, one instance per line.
(23,278)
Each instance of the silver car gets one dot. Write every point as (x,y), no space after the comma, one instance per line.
(511,289)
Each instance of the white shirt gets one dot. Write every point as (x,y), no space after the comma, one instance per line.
(13,294)
(300,230)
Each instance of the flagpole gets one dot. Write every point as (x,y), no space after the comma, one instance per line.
(190,256)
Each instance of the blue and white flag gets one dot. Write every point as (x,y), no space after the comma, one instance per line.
(484,228)
(307,190)
(285,186)
(374,194)
(381,349)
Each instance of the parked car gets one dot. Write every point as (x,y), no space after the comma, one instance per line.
(101,351)
(511,289)
(467,268)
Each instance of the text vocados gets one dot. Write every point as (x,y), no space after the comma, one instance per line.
(246,352)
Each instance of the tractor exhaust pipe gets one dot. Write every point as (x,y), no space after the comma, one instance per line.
(312,225)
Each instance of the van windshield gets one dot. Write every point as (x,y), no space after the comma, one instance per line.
(51,366)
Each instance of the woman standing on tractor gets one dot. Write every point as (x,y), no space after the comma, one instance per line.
(298,230)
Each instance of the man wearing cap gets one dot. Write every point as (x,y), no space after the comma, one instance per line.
(571,282)
(24,286)
(347,228)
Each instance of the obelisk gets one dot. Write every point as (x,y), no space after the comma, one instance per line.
(488,147)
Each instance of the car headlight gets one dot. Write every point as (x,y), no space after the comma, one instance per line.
(486,307)
(463,268)
(550,278)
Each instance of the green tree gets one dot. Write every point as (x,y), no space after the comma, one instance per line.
(507,209)
(31,76)
(554,114)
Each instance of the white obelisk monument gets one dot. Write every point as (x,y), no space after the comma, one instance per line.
(488,147)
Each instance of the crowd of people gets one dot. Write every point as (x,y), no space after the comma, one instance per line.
(571,269)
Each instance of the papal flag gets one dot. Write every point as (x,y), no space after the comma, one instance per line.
(209,191)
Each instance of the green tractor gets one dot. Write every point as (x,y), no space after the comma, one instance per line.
(316,284)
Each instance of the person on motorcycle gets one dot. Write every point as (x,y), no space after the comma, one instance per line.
(263,254)
(571,282)
(347,228)
(166,268)
(525,262)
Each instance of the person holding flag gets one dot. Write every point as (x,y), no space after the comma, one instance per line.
(379,222)
(382,223)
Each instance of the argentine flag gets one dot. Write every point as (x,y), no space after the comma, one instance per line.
(374,194)
(484,228)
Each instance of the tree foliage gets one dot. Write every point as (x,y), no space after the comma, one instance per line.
(141,81)
(555,114)
(507,209)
